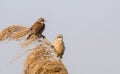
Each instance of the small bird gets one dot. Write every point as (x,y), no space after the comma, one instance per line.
(37,28)
(59,45)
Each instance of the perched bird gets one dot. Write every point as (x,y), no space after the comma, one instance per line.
(37,28)
(59,45)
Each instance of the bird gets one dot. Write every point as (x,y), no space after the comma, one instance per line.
(37,28)
(59,45)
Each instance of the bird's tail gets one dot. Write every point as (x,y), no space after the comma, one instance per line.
(28,36)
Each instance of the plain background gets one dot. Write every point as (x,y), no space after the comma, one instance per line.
(91,30)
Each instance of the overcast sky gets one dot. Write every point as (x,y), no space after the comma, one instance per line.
(91,30)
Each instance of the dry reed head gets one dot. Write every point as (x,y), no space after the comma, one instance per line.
(41,61)
(31,40)
(17,32)
(13,32)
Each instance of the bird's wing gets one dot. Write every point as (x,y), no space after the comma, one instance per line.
(31,28)
(38,29)
(63,47)
(34,25)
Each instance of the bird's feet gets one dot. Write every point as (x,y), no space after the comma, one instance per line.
(43,36)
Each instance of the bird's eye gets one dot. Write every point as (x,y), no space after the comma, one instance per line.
(59,37)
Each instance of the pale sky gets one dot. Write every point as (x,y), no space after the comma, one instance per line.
(91,30)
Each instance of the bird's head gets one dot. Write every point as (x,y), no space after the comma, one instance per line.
(60,36)
(41,20)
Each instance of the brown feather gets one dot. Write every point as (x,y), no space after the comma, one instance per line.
(37,28)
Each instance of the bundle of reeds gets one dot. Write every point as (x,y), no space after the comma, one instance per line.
(13,32)
(42,59)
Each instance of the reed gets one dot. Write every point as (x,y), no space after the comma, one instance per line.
(42,59)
